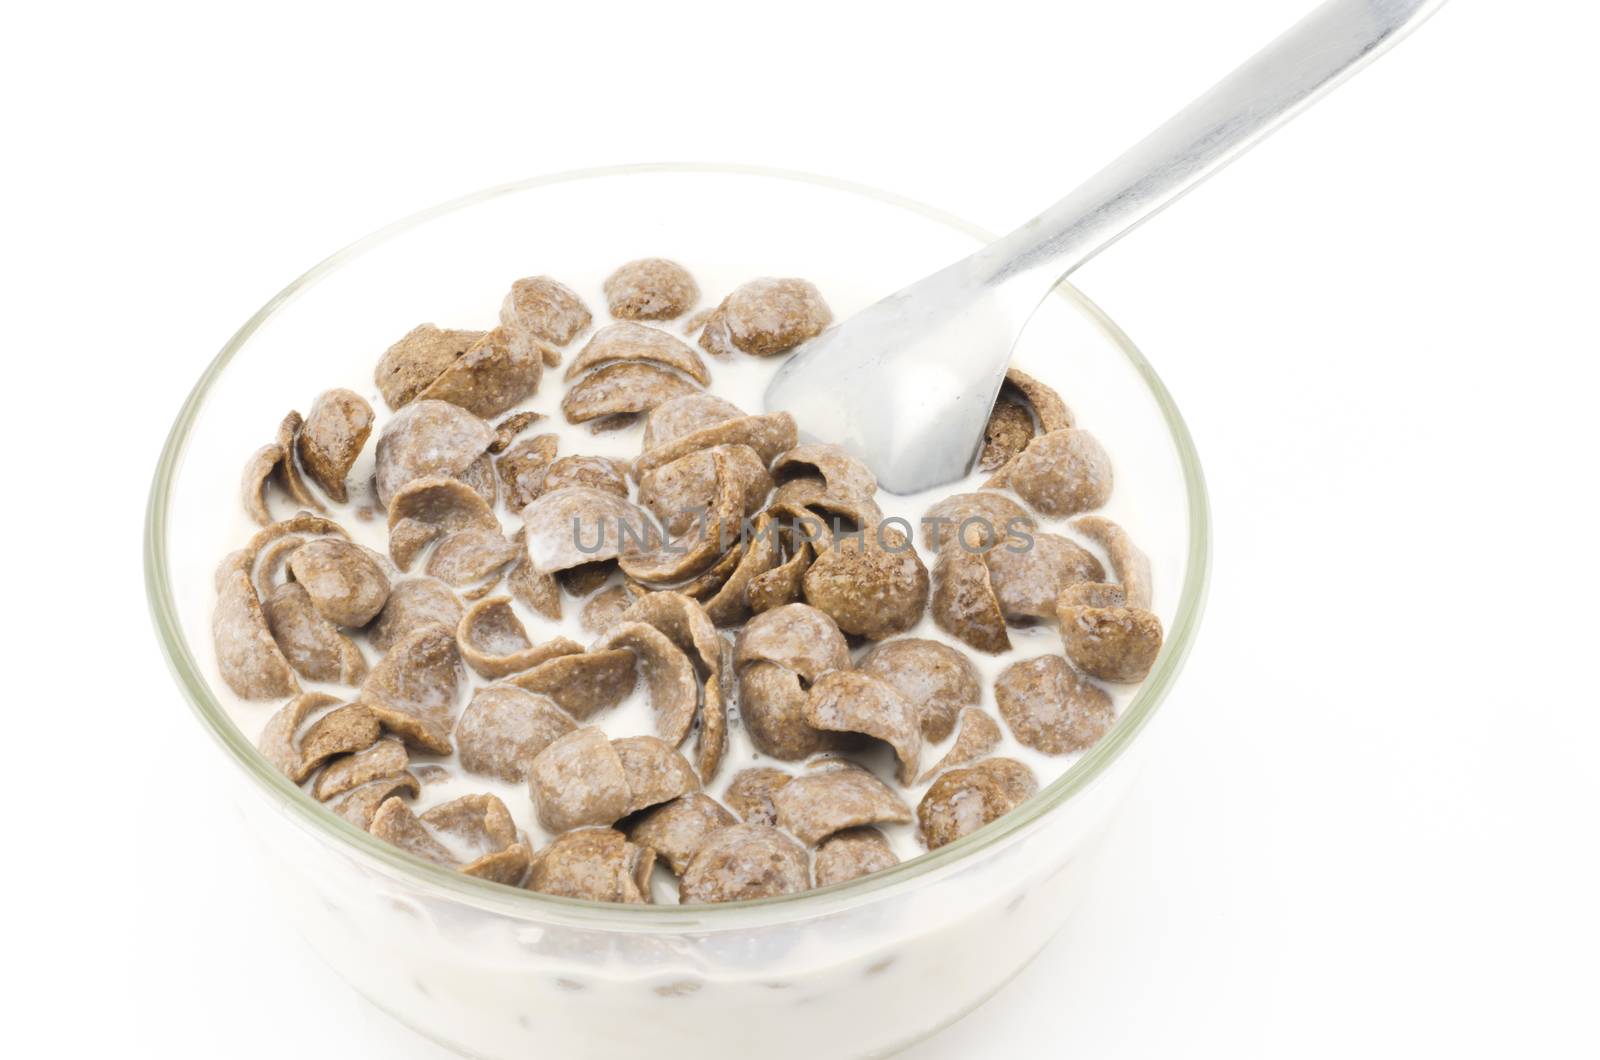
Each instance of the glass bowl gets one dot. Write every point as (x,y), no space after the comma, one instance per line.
(856,969)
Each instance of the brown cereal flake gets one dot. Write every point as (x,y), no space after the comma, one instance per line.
(592,472)
(605,608)
(730,604)
(597,864)
(816,805)
(848,701)
(656,772)
(682,493)
(711,743)
(751,792)
(768,435)
(1007,434)
(331,439)
(1027,581)
(413,603)
(496,373)
(650,289)
(346,585)
(1050,708)
(493,641)
(940,680)
(1114,643)
(675,830)
(537,591)
(289,469)
(685,415)
(674,692)
(873,587)
(480,475)
(315,647)
(420,357)
(253,482)
(344,730)
(426,439)
(622,387)
(744,861)
(768,316)
(475,824)
(781,585)
(384,758)
(395,824)
(279,741)
(842,475)
(472,557)
(428,509)
(1046,405)
(522,469)
(964,601)
(508,866)
(504,727)
(1061,473)
(269,569)
(360,804)
(583,684)
(545,309)
(630,342)
(586,578)
(575,525)
(1014,778)
(852,854)
(249,660)
(1128,563)
(798,637)
(710,538)
(964,800)
(984,520)
(979,734)
(772,705)
(578,780)
(413,688)
(506,431)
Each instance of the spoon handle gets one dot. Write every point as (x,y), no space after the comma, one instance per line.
(1275,84)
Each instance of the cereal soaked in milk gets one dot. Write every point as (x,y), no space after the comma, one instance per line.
(617,636)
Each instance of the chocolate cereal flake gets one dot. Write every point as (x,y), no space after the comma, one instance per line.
(1027,581)
(412,604)
(964,601)
(1112,643)
(745,861)
(1051,708)
(314,646)
(425,439)
(1061,473)
(493,641)
(852,854)
(578,780)
(249,660)
(597,864)
(751,794)
(497,372)
(280,737)
(871,588)
(395,824)
(816,805)
(605,608)
(522,469)
(620,388)
(413,689)
(676,830)
(768,316)
(593,472)
(331,439)
(360,804)
(1047,406)
(772,706)
(637,343)
(841,474)
(682,493)
(474,557)
(656,773)
(346,585)
(978,735)
(575,525)
(545,309)
(768,435)
(504,727)
(254,480)
(848,701)
(420,357)
(674,693)
(940,680)
(650,289)
(1007,434)
(984,520)
(384,758)
(506,431)
(429,508)
(798,636)
(344,730)
(1128,563)
(685,415)
(584,684)
(964,800)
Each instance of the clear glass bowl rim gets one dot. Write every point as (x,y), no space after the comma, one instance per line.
(528,905)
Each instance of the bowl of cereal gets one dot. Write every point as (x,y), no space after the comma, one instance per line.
(581,706)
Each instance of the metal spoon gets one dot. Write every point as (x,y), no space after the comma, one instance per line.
(907,384)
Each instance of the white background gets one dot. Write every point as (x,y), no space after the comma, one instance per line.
(1368,820)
